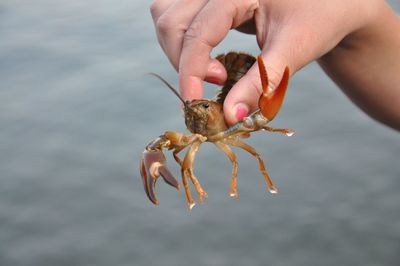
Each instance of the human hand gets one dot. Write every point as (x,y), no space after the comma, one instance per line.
(291,33)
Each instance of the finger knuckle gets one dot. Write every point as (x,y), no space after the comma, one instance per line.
(194,35)
(190,34)
(249,4)
(274,76)
(242,10)
(155,8)
(254,83)
(164,24)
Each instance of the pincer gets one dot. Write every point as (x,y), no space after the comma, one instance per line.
(271,100)
(152,166)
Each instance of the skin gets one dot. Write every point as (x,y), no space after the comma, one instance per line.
(356,42)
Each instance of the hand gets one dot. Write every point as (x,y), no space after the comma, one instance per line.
(291,33)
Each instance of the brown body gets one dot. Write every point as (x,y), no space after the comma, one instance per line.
(205,120)
(204,117)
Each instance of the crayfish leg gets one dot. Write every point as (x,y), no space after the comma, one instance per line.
(232,157)
(200,191)
(176,157)
(287,131)
(187,170)
(252,151)
(191,202)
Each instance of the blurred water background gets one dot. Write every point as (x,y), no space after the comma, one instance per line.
(76,113)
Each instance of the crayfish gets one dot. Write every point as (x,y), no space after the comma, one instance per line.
(205,120)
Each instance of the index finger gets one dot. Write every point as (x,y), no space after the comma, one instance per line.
(207,30)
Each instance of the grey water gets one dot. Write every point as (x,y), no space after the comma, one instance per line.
(76,111)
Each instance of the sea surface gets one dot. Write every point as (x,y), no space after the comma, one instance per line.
(76,111)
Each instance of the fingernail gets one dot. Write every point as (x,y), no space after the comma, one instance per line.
(213,80)
(241,110)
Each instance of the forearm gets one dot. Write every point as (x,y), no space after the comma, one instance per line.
(366,66)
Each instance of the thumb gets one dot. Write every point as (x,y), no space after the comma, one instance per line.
(244,95)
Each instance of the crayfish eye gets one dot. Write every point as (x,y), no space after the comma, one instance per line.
(206,105)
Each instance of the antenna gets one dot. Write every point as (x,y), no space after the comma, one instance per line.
(169,86)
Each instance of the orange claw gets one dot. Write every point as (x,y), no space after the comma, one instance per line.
(271,100)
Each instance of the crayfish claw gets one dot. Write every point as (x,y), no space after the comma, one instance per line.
(144,179)
(271,100)
(151,168)
(168,177)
